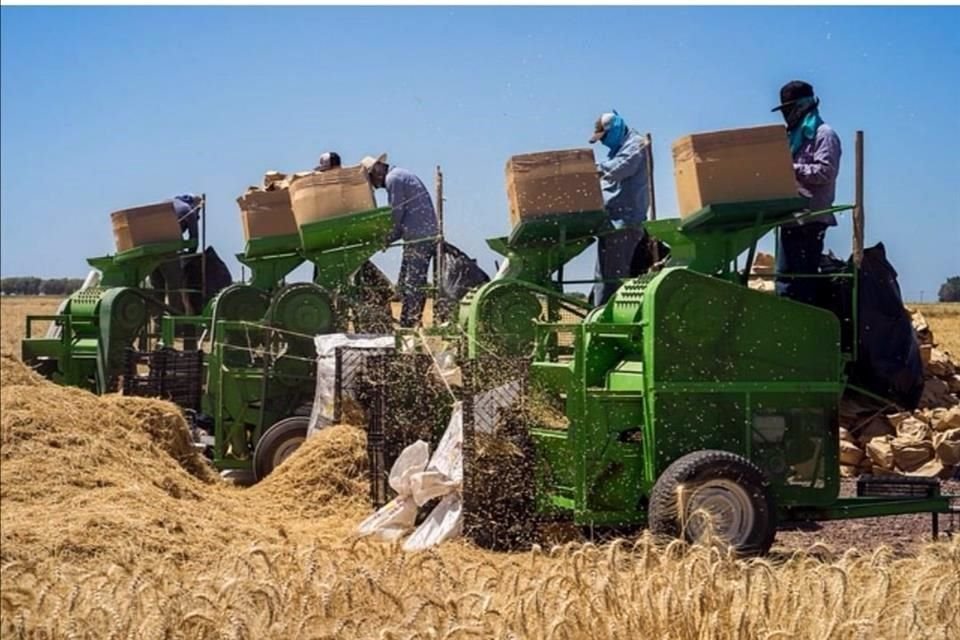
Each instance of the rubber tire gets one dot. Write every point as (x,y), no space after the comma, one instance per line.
(273,439)
(711,464)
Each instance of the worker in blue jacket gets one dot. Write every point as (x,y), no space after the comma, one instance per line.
(415,221)
(622,250)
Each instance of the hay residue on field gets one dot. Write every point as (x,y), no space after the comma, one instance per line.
(325,477)
(105,533)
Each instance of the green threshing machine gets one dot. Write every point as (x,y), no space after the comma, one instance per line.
(261,370)
(93,329)
(254,385)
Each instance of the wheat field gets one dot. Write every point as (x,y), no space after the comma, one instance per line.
(112,527)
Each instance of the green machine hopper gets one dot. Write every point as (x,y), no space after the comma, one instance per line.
(501,315)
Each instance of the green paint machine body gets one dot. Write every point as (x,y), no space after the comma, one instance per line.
(690,359)
(261,370)
(92,330)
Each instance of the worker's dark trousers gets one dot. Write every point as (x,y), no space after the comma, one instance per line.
(412,283)
(798,252)
(616,259)
(168,277)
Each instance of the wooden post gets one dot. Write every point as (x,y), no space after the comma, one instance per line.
(858,213)
(438,260)
(654,250)
(203,254)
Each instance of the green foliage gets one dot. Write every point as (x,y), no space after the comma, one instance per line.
(950,290)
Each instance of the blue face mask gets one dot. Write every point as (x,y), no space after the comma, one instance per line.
(615,134)
(806,129)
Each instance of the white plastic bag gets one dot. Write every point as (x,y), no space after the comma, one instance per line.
(444,523)
(442,477)
(397,517)
(321,415)
(418,481)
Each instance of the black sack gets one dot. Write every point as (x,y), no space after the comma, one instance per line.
(888,361)
(371,312)
(218,278)
(460,274)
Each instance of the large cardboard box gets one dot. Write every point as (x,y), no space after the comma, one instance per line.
(148,224)
(327,194)
(552,182)
(736,165)
(266,213)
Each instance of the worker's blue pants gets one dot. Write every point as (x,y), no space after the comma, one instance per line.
(412,283)
(615,254)
(798,252)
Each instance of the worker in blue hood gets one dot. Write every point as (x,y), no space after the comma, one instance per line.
(622,249)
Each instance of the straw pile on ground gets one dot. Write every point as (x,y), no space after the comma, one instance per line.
(923,443)
(92,479)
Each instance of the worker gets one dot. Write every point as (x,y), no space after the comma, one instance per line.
(622,248)
(815,147)
(187,208)
(415,221)
(329,160)
(169,276)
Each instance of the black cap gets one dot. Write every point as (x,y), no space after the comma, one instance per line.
(793,91)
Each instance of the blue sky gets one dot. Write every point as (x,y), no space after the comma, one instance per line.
(104,108)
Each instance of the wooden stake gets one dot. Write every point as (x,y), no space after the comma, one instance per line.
(654,250)
(438,261)
(858,210)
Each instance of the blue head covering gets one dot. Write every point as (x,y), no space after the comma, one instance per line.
(616,132)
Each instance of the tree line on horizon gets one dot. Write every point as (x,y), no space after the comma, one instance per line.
(33,286)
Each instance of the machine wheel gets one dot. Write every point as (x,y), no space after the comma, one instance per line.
(277,443)
(715,490)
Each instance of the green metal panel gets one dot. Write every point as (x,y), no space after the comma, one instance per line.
(557,228)
(339,246)
(710,240)
(130,268)
(869,507)
(271,259)
(724,362)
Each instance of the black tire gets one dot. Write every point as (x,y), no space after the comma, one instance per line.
(716,480)
(278,442)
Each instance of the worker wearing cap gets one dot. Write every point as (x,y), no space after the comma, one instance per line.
(329,160)
(816,161)
(415,221)
(622,251)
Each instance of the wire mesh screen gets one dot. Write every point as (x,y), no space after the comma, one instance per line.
(351,390)
(498,456)
(406,402)
(167,374)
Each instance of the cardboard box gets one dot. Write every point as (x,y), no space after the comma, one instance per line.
(149,224)
(266,213)
(273,180)
(552,182)
(328,194)
(737,165)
